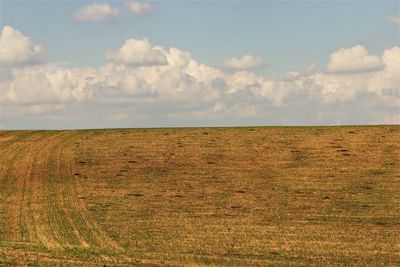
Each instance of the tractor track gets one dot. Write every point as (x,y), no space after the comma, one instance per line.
(39,196)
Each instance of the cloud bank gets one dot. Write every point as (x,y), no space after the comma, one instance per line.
(143,85)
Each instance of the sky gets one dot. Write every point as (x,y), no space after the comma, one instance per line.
(89,64)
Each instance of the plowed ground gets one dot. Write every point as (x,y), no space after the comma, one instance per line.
(201,196)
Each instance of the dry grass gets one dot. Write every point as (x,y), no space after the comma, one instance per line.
(205,196)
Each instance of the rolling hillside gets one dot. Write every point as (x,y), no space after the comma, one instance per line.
(201,196)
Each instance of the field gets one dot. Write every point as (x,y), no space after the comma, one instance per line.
(251,196)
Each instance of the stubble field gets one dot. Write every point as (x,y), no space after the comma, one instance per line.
(251,196)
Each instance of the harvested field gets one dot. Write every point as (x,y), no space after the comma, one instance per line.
(248,196)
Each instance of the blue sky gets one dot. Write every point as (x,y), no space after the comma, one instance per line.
(288,34)
(285,36)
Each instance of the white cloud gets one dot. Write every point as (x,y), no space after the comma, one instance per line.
(17,49)
(388,80)
(394,19)
(243,81)
(137,53)
(95,12)
(353,59)
(48,84)
(245,62)
(391,58)
(139,8)
(168,87)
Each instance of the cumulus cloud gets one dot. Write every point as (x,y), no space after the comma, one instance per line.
(245,62)
(17,49)
(139,8)
(394,19)
(48,84)
(95,12)
(144,85)
(137,53)
(353,59)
